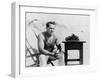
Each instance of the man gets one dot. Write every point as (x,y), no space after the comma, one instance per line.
(49,45)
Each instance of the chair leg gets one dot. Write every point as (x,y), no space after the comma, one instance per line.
(38,63)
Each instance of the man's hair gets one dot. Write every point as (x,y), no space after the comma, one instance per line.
(50,22)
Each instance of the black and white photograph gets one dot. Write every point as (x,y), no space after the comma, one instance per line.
(56,39)
(52,40)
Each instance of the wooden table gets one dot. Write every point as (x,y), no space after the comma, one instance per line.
(73,45)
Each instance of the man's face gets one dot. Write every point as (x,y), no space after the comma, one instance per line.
(51,29)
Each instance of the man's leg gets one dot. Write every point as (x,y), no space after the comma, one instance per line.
(61,59)
(43,60)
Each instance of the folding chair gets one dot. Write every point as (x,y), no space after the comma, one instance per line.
(34,57)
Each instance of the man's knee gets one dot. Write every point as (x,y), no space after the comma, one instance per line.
(41,57)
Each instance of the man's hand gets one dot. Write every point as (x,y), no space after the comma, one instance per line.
(51,54)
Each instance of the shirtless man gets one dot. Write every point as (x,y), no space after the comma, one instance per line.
(49,45)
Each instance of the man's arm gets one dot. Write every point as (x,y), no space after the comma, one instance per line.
(58,43)
(41,46)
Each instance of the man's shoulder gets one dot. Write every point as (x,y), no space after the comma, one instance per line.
(41,35)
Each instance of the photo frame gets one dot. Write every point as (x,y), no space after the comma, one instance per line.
(21,15)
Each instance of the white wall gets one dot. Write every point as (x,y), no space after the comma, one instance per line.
(5,40)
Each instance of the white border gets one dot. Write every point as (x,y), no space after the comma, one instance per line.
(19,59)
